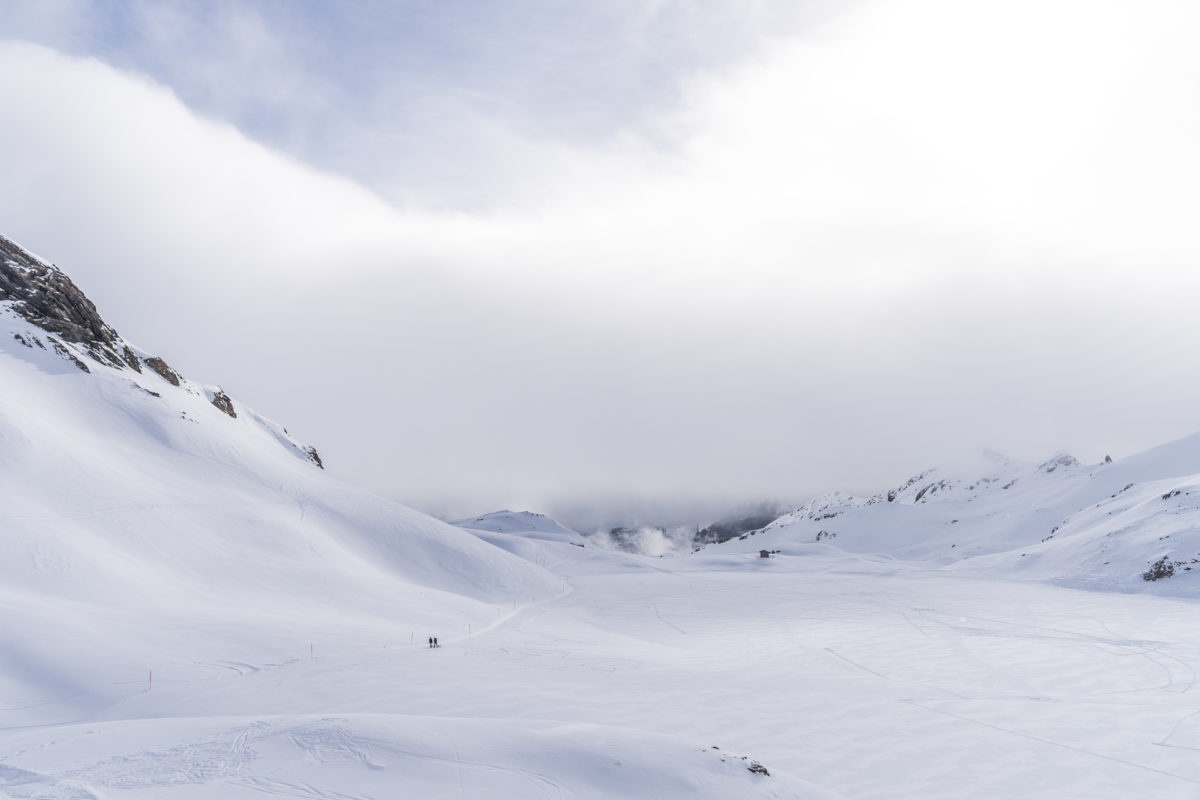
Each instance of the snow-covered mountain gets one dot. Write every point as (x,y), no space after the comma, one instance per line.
(109,450)
(191,606)
(528,535)
(1113,525)
(527,523)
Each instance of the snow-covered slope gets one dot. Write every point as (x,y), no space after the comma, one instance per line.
(134,497)
(533,537)
(191,607)
(159,525)
(527,523)
(1101,526)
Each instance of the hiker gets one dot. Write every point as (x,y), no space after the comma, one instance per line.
(431,641)
(435,642)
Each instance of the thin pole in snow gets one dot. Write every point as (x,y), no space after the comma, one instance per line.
(310,650)
(150,683)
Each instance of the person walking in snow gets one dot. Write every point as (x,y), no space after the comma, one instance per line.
(431,641)
(435,642)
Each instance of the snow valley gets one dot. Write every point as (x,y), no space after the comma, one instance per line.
(191,607)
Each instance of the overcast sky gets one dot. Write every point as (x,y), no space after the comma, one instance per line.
(550,255)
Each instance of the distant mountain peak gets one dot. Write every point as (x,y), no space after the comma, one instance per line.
(515,522)
(1062,459)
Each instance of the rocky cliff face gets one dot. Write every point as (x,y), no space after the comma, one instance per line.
(48,300)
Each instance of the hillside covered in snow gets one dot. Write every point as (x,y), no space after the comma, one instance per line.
(1129,525)
(191,607)
(162,540)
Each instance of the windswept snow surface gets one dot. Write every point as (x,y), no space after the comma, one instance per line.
(189,608)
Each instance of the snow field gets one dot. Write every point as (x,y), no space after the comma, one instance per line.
(918,649)
(851,680)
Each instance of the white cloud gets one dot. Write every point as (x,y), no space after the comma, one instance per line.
(935,224)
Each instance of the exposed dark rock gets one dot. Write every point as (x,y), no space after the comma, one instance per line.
(908,484)
(726,530)
(222,401)
(165,372)
(1163,568)
(131,359)
(67,354)
(311,452)
(1060,460)
(47,298)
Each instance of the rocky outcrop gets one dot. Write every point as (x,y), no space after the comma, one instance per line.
(729,528)
(222,401)
(1065,460)
(47,298)
(311,452)
(67,354)
(165,372)
(50,301)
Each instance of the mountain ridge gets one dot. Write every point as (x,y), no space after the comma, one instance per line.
(1115,525)
(40,293)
